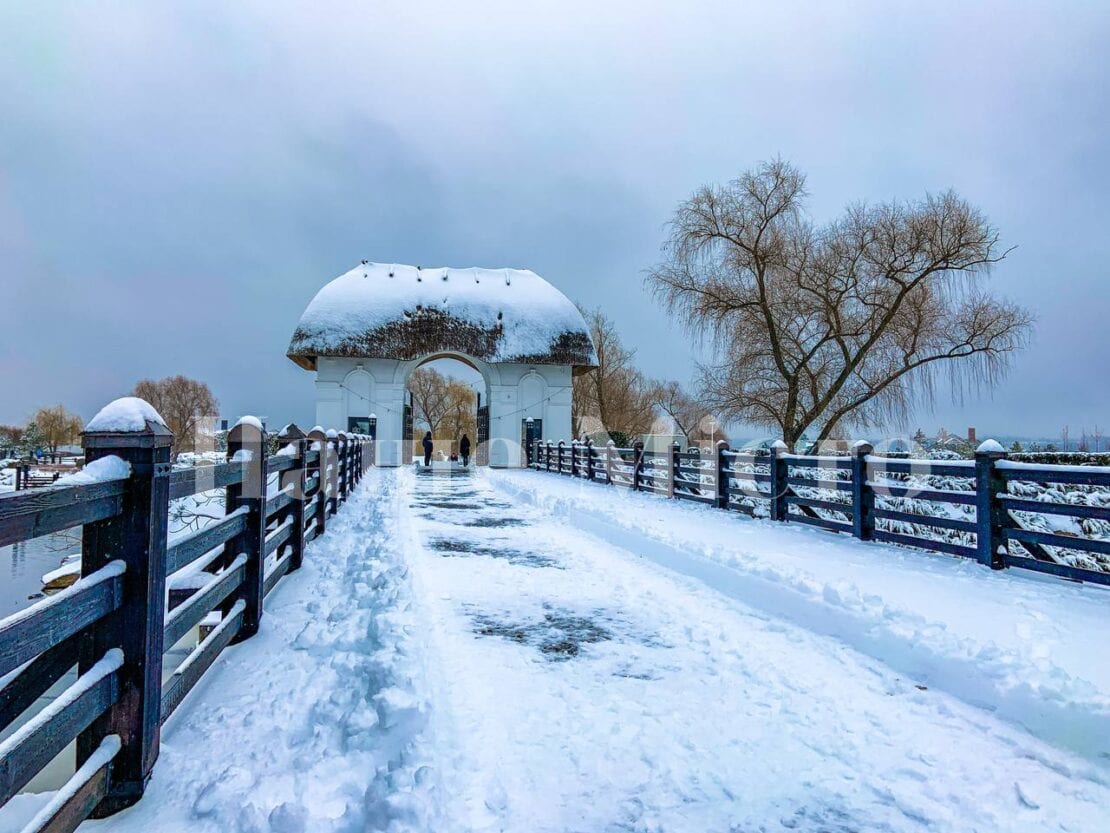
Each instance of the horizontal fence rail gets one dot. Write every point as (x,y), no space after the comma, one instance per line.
(99,644)
(991,509)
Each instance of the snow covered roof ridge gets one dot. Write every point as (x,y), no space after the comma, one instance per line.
(389,310)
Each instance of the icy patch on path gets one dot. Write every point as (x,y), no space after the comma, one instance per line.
(307,727)
(613,695)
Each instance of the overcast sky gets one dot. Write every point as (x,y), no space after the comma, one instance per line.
(177,180)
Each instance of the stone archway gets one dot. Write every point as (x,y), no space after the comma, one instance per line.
(383,320)
(480,441)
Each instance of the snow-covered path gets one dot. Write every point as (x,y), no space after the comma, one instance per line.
(578,687)
(308,726)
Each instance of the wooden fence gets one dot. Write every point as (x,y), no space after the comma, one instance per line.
(870,497)
(140,594)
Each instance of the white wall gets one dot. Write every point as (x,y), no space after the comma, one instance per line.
(361,387)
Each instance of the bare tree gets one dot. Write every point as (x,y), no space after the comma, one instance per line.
(430,397)
(845,323)
(690,416)
(614,396)
(1097,435)
(1065,435)
(184,404)
(57,427)
(460,414)
(11,437)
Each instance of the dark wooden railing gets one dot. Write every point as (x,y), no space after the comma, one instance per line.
(871,497)
(140,594)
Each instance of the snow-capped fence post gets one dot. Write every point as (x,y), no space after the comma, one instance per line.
(609,446)
(331,502)
(574,458)
(319,440)
(246,444)
(722,469)
(559,467)
(990,534)
(137,537)
(638,465)
(672,468)
(863,496)
(295,477)
(780,470)
(589,459)
(342,460)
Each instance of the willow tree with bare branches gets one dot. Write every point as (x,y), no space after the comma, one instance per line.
(613,397)
(848,323)
(688,414)
(188,406)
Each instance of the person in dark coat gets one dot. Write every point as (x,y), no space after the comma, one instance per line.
(464,450)
(428,449)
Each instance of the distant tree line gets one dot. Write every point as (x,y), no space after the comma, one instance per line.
(184,404)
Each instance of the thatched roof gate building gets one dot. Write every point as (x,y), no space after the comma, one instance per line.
(367,330)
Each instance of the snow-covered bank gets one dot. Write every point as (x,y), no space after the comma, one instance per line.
(1021,645)
(308,726)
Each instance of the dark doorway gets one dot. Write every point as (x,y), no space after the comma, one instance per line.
(531,430)
(406,435)
(482,457)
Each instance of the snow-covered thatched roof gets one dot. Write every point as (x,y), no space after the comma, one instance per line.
(385,310)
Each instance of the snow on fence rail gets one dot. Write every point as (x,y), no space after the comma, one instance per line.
(140,594)
(1004,513)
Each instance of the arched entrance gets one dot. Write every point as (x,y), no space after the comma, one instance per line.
(435,388)
(367,331)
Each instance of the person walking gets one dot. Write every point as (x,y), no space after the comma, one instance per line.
(427,449)
(464,450)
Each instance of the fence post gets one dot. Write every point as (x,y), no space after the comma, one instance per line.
(990,534)
(672,469)
(863,496)
(559,468)
(246,443)
(609,446)
(638,464)
(779,472)
(292,435)
(137,537)
(589,459)
(317,437)
(331,504)
(722,474)
(574,458)
(341,468)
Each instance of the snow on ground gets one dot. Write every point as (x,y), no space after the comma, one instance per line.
(580,687)
(454,657)
(1024,646)
(308,725)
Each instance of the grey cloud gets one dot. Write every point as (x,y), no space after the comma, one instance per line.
(176,181)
